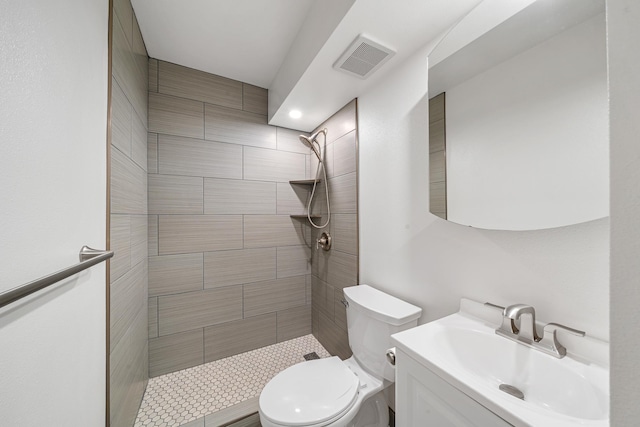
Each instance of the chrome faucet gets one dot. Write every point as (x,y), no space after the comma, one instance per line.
(519,324)
(524,316)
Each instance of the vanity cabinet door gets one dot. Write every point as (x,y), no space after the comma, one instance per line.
(425,399)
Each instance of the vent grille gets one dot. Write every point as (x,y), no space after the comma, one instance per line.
(363,57)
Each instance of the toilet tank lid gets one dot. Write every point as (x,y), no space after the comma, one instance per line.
(381,306)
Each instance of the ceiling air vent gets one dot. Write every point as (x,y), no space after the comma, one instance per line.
(363,57)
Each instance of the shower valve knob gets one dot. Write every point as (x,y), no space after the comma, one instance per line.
(324,241)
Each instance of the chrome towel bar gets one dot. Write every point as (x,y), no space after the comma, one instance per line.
(88,258)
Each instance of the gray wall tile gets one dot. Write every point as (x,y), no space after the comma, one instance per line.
(333,338)
(192,157)
(124,12)
(139,245)
(270,165)
(343,270)
(340,311)
(194,84)
(254,99)
(152,152)
(120,119)
(176,116)
(341,123)
(224,268)
(343,194)
(294,261)
(229,415)
(345,233)
(128,185)
(293,199)
(153,317)
(172,194)
(153,75)
(344,154)
(231,196)
(263,231)
(322,296)
(120,245)
(191,310)
(294,322)
(228,339)
(274,295)
(198,233)
(139,142)
(175,352)
(289,140)
(238,127)
(140,53)
(170,274)
(128,297)
(152,226)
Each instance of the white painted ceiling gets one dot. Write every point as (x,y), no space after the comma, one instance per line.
(290,46)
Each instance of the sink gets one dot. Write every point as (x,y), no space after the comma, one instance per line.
(465,351)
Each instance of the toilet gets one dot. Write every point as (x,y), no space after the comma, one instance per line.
(336,393)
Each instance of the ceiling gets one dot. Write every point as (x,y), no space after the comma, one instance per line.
(290,46)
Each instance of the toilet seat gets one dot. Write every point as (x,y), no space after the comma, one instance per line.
(313,393)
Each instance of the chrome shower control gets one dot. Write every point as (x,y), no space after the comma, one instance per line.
(391,356)
(324,241)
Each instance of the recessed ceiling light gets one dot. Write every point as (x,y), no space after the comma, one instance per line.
(295,114)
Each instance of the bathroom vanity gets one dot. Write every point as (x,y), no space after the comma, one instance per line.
(457,371)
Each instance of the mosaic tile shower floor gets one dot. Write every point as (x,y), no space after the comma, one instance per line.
(178,398)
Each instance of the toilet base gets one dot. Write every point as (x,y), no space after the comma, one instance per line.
(374,412)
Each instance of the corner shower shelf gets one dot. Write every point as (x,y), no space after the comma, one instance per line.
(305,181)
(304,216)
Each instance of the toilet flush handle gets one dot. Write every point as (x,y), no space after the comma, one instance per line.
(391,356)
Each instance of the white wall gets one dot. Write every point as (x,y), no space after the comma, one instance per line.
(53,80)
(527,140)
(412,254)
(623,34)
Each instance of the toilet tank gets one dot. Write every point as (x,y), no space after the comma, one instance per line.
(372,317)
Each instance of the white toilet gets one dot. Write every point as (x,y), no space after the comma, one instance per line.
(336,393)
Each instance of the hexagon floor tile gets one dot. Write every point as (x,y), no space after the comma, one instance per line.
(180,397)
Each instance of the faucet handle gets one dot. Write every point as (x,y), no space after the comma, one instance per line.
(497,307)
(549,341)
(508,327)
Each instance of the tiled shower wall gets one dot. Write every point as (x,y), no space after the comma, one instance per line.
(228,268)
(128,233)
(337,268)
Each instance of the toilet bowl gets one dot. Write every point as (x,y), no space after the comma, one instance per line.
(336,393)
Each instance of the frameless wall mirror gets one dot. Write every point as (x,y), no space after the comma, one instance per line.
(519,118)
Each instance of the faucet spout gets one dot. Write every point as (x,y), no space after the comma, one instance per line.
(526,316)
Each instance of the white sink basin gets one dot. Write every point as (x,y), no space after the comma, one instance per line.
(468,354)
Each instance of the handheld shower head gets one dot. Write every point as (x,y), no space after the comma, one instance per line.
(311,142)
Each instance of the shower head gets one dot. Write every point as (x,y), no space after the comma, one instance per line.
(311,142)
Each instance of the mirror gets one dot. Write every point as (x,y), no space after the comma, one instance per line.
(519,118)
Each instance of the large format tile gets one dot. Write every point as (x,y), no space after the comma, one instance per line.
(224,268)
(139,142)
(176,116)
(437,164)
(344,154)
(139,236)
(171,194)
(343,194)
(293,198)
(152,226)
(120,119)
(333,338)
(120,231)
(198,233)
(234,196)
(124,12)
(170,274)
(254,99)
(153,317)
(263,231)
(322,297)
(175,352)
(191,310)
(238,127)
(228,339)
(294,322)
(128,185)
(194,84)
(289,140)
(294,260)
(152,152)
(274,295)
(341,123)
(271,165)
(128,297)
(193,157)
(344,231)
(153,75)
(343,270)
